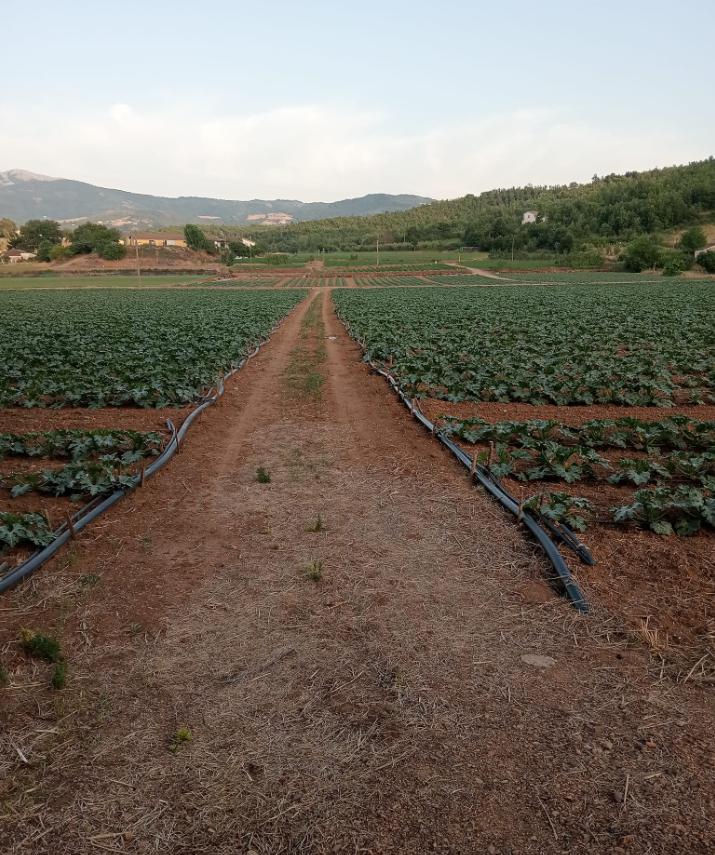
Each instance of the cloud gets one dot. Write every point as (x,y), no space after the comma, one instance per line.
(313,152)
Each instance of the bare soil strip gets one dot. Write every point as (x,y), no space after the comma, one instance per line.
(396,678)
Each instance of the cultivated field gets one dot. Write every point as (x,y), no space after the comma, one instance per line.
(310,631)
(84,352)
(596,406)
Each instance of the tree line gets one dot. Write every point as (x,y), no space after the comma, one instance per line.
(48,239)
(573,219)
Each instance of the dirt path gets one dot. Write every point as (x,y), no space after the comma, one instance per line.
(478,271)
(240,683)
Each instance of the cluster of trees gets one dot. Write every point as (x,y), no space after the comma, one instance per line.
(45,238)
(644,252)
(573,219)
(196,239)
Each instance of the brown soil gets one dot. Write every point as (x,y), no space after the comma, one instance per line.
(496,412)
(663,584)
(385,708)
(150,258)
(21,420)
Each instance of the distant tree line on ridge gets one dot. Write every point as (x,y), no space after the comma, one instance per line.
(573,220)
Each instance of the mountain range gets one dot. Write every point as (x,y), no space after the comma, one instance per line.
(28,196)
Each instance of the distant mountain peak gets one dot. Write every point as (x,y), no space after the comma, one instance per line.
(12,176)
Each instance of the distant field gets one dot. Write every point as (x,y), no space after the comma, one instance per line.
(585,277)
(20,284)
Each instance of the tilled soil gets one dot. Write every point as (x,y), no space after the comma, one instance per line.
(399,679)
(663,587)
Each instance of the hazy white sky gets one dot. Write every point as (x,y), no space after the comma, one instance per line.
(321,101)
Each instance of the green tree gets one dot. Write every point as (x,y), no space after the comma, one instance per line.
(239,249)
(91,237)
(111,251)
(675,265)
(693,239)
(640,254)
(707,261)
(58,251)
(34,232)
(195,238)
(44,250)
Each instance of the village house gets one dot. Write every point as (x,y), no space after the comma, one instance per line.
(529,217)
(12,256)
(710,248)
(151,239)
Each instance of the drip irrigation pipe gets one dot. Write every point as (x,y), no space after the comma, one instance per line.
(99,505)
(493,486)
(509,502)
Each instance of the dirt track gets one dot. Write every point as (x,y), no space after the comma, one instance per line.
(386,708)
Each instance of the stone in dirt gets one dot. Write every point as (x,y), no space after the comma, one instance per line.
(538,661)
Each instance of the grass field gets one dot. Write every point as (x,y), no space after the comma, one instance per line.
(21,284)
(418,259)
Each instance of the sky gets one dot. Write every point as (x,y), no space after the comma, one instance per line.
(321,101)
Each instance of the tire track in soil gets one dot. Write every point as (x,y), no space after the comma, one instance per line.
(384,708)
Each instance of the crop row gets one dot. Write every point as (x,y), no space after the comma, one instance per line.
(79,444)
(683,510)
(545,344)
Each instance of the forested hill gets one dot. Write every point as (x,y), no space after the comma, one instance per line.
(610,208)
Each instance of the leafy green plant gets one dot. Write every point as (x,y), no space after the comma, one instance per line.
(572,511)
(81,444)
(666,509)
(315,571)
(78,480)
(58,678)
(638,472)
(263,476)
(19,529)
(563,463)
(41,646)
(317,525)
(181,737)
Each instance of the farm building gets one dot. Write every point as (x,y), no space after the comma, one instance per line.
(150,239)
(710,248)
(12,256)
(529,217)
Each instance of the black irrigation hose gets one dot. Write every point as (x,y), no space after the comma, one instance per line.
(493,486)
(500,493)
(98,506)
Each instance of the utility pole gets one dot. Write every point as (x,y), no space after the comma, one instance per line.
(513,238)
(377,250)
(139,273)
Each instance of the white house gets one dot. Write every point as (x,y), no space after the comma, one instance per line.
(222,243)
(529,217)
(12,256)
